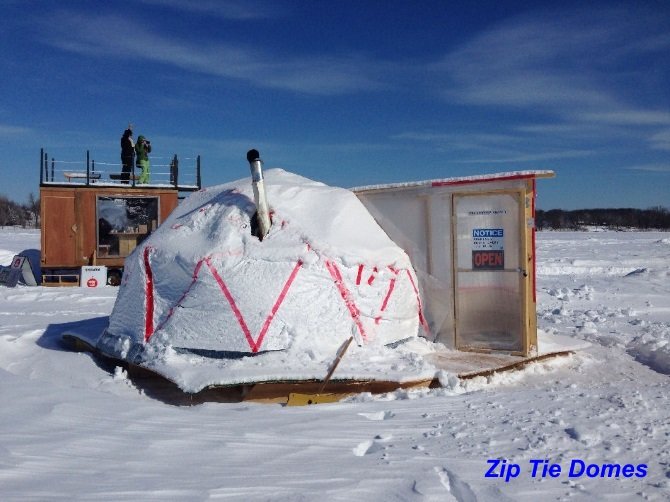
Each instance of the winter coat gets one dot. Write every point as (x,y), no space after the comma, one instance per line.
(127,145)
(142,149)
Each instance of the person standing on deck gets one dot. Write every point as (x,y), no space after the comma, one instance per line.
(127,154)
(143,149)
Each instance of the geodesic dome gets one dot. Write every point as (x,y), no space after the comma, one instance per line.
(203,284)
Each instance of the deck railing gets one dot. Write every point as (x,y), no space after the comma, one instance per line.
(183,174)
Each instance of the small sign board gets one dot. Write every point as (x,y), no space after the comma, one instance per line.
(93,276)
(488,260)
(19,271)
(488,249)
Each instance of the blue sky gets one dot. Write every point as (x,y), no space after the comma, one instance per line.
(348,92)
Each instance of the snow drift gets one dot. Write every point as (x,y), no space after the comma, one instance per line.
(202,284)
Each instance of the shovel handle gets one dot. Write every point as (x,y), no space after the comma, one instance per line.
(338,358)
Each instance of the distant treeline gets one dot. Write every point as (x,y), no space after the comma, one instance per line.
(657,218)
(24,215)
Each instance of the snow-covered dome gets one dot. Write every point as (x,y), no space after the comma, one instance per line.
(202,283)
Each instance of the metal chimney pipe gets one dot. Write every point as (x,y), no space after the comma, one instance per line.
(262,208)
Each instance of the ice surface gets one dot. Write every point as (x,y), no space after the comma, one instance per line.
(71,430)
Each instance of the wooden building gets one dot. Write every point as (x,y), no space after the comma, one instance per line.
(92,217)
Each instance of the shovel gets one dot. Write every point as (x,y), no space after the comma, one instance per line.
(297,399)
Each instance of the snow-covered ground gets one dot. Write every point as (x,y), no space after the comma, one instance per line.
(71,429)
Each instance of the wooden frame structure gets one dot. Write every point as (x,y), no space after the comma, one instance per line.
(496,310)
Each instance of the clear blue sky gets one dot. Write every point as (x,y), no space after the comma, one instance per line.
(348,92)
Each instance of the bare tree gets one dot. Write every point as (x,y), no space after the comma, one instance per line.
(34,208)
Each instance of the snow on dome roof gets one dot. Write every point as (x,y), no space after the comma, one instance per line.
(203,285)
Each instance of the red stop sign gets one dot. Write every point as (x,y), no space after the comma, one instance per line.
(92,282)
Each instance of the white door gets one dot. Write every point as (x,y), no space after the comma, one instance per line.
(489,277)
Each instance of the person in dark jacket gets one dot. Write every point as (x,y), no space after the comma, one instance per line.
(127,154)
(143,149)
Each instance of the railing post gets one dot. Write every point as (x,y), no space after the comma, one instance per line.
(198,181)
(88,167)
(174,171)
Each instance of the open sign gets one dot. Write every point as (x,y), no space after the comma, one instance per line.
(488,260)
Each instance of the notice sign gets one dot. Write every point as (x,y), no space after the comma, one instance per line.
(488,249)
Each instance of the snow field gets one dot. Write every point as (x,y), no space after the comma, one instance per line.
(73,429)
(616,296)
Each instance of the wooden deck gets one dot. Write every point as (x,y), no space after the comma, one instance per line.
(466,365)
